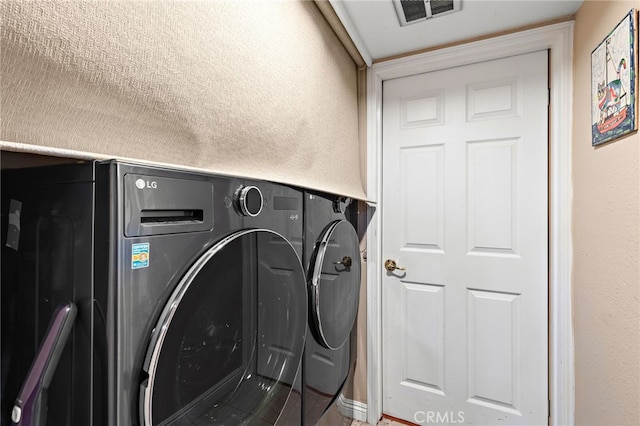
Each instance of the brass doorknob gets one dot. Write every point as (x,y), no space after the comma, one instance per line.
(391,265)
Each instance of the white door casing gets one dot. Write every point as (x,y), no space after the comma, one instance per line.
(464,210)
(558,38)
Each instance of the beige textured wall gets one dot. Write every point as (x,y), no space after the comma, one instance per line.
(606,230)
(261,89)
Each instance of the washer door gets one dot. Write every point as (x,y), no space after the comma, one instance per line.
(335,284)
(228,345)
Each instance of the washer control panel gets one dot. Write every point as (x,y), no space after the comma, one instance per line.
(249,200)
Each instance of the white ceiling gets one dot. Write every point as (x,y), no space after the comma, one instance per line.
(373,24)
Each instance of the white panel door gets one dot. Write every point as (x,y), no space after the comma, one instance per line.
(464,210)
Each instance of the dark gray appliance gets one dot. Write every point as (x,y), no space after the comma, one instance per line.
(332,259)
(190,293)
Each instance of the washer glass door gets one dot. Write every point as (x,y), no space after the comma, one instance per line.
(228,345)
(335,284)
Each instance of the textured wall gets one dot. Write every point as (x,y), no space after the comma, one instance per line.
(606,230)
(260,89)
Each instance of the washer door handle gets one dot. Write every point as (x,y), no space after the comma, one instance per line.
(346,262)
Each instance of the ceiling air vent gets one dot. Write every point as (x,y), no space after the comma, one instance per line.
(412,11)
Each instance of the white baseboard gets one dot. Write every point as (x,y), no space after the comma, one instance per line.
(354,409)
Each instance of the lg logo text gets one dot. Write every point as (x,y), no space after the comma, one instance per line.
(142,184)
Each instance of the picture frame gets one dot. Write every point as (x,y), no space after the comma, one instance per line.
(614,82)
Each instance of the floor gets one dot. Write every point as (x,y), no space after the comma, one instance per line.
(383,422)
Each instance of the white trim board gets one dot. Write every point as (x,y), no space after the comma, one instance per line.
(558,39)
(346,21)
(352,409)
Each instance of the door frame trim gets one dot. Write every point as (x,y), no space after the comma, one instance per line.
(558,39)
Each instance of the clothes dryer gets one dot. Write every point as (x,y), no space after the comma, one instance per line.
(332,258)
(190,291)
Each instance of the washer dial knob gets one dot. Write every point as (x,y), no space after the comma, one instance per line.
(250,201)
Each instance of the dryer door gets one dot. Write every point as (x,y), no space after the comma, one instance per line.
(228,345)
(335,284)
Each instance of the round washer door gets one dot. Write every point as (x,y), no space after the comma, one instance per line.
(228,344)
(335,284)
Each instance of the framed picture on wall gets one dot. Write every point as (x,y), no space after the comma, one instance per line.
(614,82)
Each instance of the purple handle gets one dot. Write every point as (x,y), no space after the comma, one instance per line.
(30,406)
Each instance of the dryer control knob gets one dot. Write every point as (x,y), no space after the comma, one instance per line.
(250,201)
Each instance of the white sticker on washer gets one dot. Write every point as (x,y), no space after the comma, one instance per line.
(140,255)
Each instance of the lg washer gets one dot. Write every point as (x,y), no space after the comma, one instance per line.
(190,295)
(332,259)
